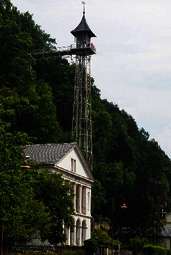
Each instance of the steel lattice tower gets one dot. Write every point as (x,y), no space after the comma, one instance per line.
(82,122)
(82,50)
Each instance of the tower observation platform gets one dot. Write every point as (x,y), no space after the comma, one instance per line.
(69,51)
(73,49)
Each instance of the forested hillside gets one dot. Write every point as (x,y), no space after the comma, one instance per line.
(36,95)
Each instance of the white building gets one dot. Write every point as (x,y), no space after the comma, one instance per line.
(166,232)
(68,160)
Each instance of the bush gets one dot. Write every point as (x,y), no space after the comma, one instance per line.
(100,238)
(168,252)
(136,244)
(36,253)
(91,245)
(150,249)
(76,252)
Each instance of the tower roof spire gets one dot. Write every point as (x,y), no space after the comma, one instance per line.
(83,3)
(83,26)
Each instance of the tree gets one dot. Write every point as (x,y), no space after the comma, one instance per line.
(21,215)
(36,95)
(31,201)
(27,101)
(56,195)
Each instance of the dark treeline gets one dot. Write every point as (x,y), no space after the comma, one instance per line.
(36,95)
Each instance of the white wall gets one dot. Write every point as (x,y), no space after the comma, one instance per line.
(168,218)
(65,163)
(88,223)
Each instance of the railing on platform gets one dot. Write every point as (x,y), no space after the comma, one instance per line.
(72,49)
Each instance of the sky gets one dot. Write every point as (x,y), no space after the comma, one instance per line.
(132,67)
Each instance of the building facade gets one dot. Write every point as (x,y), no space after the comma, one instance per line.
(68,160)
(166,232)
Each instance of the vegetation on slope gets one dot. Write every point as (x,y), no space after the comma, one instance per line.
(36,95)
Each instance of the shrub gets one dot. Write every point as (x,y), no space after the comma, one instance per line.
(36,253)
(76,252)
(100,238)
(91,245)
(150,249)
(136,244)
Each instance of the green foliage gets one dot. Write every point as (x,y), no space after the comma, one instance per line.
(91,245)
(10,152)
(36,253)
(27,109)
(72,252)
(150,249)
(33,201)
(36,95)
(55,195)
(45,251)
(136,244)
(27,103)
(21,214)
(104,239)
(132,169)
(100,238)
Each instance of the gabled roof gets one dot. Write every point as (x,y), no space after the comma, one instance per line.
(47,153)
(83,28)
(51,154)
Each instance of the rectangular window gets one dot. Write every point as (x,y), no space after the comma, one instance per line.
(73,165)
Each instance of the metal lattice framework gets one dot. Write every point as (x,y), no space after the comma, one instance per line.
(82,122)
(82,50)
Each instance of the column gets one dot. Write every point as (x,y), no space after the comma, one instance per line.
(80,197)
(67,232)
(84,200)
(81,235)
(74,193)
(90,203)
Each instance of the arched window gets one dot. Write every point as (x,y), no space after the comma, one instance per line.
(72,233)
(84,230)
(78,229)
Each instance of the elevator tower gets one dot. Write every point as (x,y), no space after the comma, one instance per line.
(82,119)
(83,49)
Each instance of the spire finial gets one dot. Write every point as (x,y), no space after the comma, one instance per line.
(83,3)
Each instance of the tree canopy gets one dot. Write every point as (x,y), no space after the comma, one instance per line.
(36,95)
(32,200)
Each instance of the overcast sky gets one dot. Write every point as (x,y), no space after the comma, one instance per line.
(132,67)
